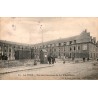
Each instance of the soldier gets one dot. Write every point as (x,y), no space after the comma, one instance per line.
(64,60)
(49,59)
(83,59)
(53,59)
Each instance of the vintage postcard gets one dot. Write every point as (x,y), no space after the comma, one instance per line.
(48,48)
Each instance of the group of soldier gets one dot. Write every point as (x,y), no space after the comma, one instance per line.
(51,59)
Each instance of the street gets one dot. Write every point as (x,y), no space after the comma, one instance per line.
(58,71)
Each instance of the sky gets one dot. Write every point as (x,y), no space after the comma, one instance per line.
(29,30)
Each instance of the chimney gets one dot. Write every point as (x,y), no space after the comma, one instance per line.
(91,38)
(94,38)
(85,30)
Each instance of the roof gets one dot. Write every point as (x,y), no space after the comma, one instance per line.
(61,40)
(13,43)
(48,42)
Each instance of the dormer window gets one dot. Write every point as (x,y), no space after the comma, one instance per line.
(70,42)
(59,44)
(74,41)
(64,43)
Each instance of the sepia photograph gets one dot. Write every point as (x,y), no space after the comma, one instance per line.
(48,48)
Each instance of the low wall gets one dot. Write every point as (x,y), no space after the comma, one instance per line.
(15,63)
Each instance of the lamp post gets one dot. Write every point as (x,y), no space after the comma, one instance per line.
(43,52)
(42,34)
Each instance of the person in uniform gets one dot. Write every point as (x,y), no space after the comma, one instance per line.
(49,59)
(53,59)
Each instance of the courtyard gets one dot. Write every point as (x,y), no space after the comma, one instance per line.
(69,71)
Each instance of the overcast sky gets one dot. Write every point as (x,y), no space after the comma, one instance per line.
(29,30)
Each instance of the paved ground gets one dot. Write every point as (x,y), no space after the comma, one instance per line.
(58,71)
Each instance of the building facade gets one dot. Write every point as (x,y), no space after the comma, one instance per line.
(15,51)
(80,46)
(76,47)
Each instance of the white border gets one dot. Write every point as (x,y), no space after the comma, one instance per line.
(48,8)
(48,89)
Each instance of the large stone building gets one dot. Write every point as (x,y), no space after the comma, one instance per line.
(80,46)
(76,47)
(15,51)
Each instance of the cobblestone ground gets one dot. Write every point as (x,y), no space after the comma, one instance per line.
(58,71)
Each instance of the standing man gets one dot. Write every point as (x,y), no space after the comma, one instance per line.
(53,59)
(64,60)
(49,59)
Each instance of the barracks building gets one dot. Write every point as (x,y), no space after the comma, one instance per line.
(76,47)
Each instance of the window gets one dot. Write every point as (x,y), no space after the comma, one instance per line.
(78,47)
(64,43)
(70,42)
(5,50)
(9,49)
(70,49)
(74,48)
(59,44)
